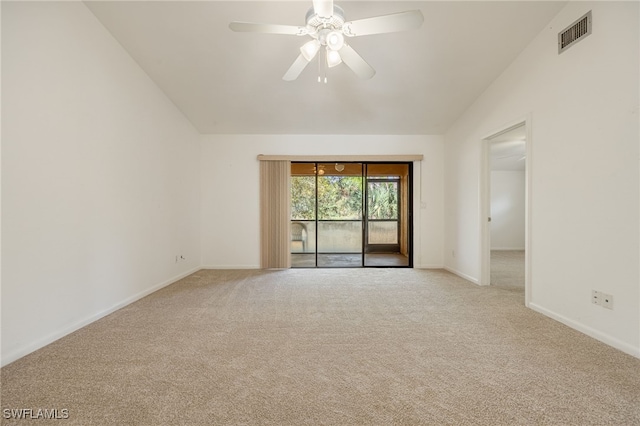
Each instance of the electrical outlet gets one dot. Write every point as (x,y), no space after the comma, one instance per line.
(602,299)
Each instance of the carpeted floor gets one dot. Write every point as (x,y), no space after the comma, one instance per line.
(327,346)
(507,268)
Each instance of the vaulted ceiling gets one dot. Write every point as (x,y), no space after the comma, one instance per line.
(226,82)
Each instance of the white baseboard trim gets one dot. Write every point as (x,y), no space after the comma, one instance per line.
(428,266)
(507,248)
(230,267)
(40,343)
(462,275)
(598,335)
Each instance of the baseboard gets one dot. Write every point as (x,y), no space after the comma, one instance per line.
(598,335)
(462,275)
(507,248)
(40,343)
(428,266)
(230,267)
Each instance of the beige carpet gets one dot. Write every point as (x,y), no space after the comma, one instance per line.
(327,346)
(507,268)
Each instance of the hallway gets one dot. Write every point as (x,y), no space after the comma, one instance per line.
(507,268)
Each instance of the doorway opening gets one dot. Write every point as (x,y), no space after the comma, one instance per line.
(505,228)
(351,214)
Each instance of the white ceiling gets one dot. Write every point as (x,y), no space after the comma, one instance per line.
(227,82)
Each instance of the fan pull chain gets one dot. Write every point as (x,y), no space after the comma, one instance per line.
(322,66)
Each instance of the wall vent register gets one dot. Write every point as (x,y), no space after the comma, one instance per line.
(575,32)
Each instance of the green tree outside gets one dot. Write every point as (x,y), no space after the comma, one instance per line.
(340,198)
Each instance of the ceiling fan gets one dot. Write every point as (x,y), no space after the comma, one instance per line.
(326,25)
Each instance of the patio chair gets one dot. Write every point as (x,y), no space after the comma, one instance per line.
(299,233)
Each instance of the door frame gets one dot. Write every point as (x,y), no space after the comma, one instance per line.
(485,204)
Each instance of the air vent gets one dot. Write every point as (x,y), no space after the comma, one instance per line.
(574,32)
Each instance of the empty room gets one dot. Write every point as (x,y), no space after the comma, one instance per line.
(318,212)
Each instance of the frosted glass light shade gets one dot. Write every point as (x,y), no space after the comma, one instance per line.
(310,49)
(335,40)
(333,58)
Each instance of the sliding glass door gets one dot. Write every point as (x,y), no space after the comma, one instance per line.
(387,215)
(340,193)
(350,214)
(303,215)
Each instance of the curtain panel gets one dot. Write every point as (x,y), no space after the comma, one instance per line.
(275,193)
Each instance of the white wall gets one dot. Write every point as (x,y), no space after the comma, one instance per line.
(230,189)
(100,177)
(585,211)
(507,210)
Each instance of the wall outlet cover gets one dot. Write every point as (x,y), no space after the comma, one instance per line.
(602,299)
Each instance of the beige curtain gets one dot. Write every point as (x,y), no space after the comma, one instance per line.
(275,193)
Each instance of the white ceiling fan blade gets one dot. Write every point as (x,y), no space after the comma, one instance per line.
(251,27)
(356,63)
(323,8)
(296,68)
(402,21)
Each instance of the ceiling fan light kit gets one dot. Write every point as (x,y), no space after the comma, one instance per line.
(333,58)
(310,49)
(335,40)
(326,25)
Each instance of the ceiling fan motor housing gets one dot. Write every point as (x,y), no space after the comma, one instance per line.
(319,27)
